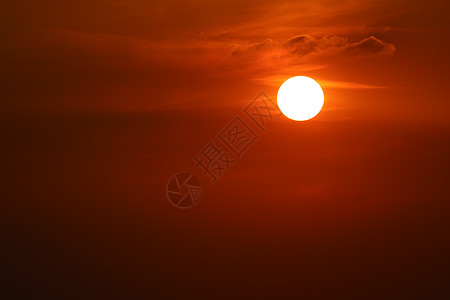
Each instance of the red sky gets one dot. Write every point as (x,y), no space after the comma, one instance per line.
(103,101)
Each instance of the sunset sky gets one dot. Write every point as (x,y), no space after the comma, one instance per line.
(104,101)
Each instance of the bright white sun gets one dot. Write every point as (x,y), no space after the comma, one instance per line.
(300,98)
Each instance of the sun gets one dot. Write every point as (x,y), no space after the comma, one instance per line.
(300,98)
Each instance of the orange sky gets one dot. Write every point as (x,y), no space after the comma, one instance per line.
(103,101)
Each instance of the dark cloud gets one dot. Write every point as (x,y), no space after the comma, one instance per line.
(301,45)
(304,45)
(370,46)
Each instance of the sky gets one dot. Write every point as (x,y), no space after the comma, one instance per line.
(104,101)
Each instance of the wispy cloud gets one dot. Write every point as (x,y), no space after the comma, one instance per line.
(349,85)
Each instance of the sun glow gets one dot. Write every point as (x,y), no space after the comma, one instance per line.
(300,98)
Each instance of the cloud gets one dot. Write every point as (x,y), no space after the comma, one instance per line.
(277,80)
(370,46)
(304,45)
(349,85)
(270,62)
